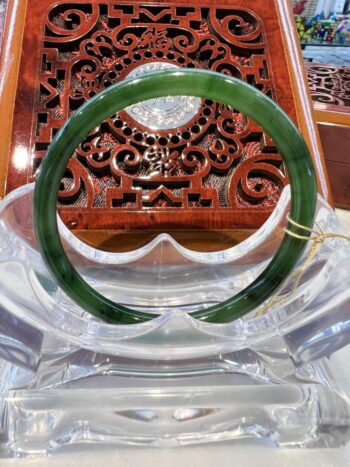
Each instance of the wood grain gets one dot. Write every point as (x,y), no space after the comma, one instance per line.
(336,144)
(329,86)
(9,67)
(301,94)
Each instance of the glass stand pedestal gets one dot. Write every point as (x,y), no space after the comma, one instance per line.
(91,399)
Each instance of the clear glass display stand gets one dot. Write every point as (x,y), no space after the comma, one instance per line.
(68,379)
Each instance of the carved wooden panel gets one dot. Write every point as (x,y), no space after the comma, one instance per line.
(200,165)
(330,85)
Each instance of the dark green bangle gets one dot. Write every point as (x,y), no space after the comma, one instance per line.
(210,85)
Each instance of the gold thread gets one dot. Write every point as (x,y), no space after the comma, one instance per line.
(317,237)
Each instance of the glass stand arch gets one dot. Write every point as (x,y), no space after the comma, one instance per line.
(68,379)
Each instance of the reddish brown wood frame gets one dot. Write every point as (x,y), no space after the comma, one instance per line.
(330,91)
(219,171)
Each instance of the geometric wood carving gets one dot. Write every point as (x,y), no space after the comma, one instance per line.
(216,160)
(216,169)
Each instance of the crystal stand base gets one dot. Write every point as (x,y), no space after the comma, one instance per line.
(223,400)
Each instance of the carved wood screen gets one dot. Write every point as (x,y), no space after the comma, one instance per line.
(330,86)
(200,165)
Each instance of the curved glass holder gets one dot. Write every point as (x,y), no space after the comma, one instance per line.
(67,378)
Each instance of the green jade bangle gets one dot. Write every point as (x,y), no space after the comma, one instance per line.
(199,83)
